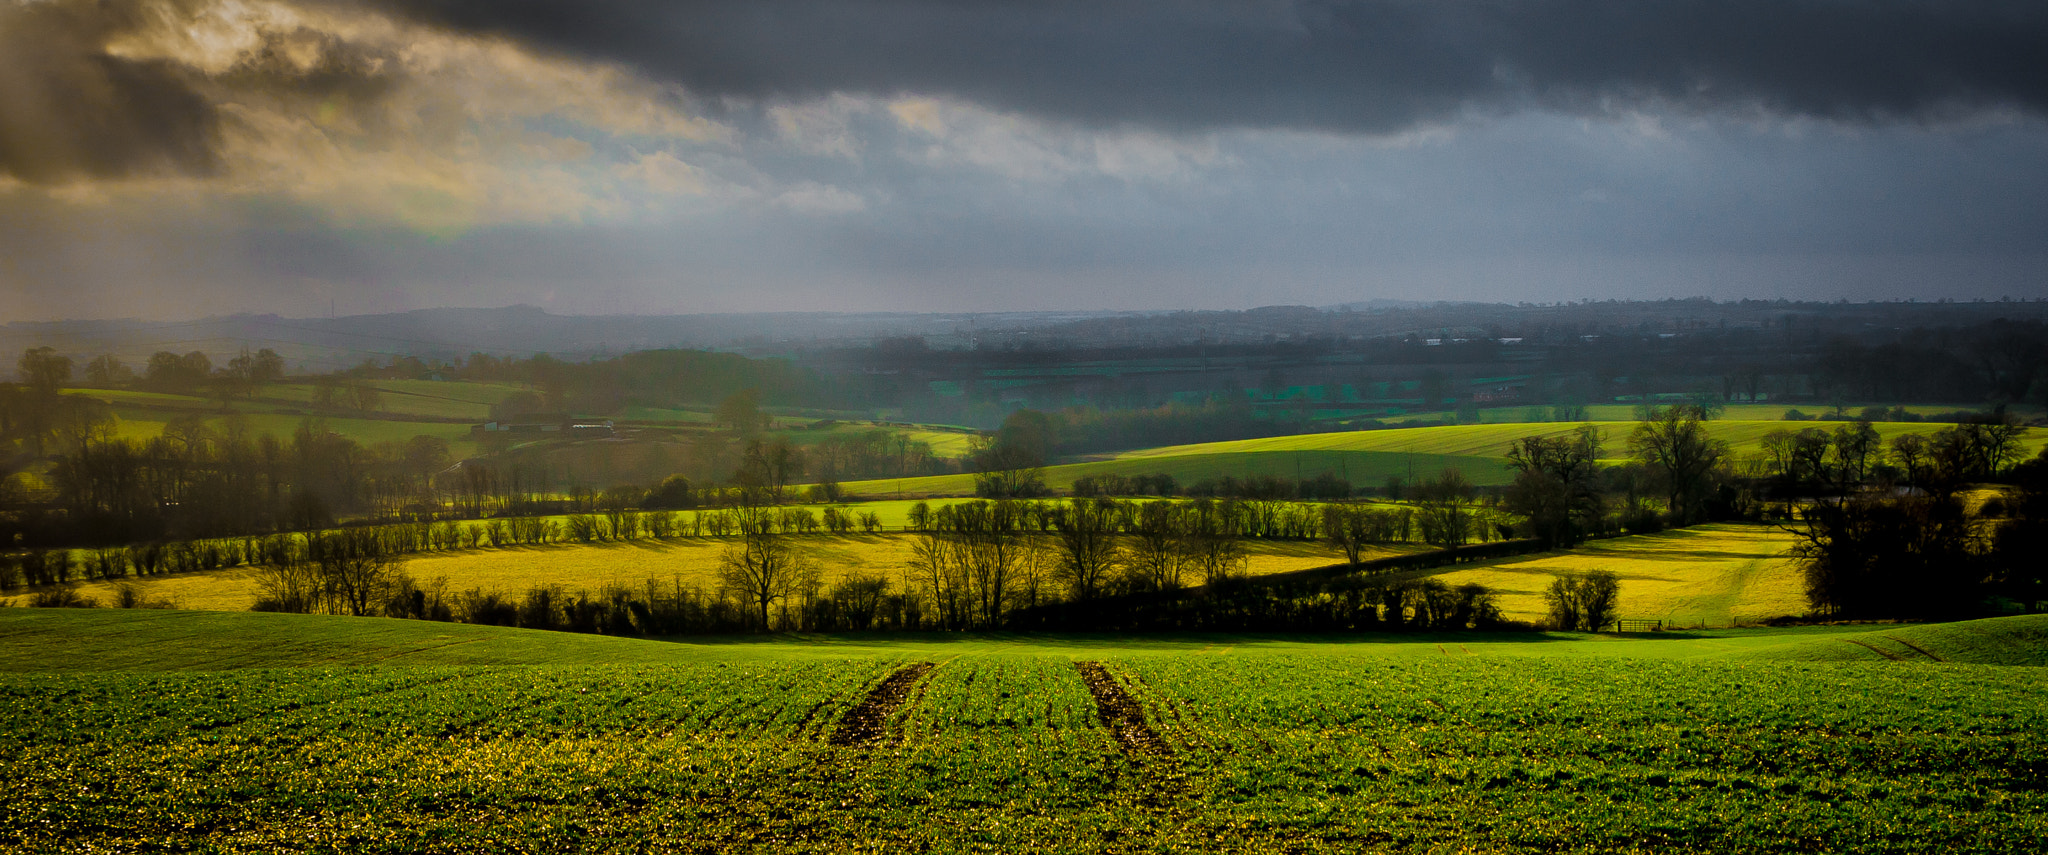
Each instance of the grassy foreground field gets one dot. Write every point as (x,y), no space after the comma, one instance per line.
(1540,743)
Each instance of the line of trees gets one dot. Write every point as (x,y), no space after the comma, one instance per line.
(198,481)
(1929,551)
(977,564)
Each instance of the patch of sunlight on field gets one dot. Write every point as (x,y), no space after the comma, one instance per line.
(229,589)
(689,561)
(1492,440)
(1711,574)
(1361,468)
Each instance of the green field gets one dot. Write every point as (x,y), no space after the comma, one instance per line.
(444,409)
(2019,640)
(165,731)
(143,415)
(1368,458)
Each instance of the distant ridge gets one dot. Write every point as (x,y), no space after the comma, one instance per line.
(446,334)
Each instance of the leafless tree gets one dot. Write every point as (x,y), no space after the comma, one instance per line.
(1674,444)
(1087,544)
(762,567)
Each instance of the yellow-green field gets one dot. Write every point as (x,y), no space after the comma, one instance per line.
(1367,458)
(143,415)
(444,409)
(1712,575)
(1492,440)
(1534,413)
(690,561)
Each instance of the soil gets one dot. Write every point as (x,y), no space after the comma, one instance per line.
(1120,712)
(863,725)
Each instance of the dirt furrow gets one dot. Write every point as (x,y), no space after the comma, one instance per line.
(1121,713)
(863,725)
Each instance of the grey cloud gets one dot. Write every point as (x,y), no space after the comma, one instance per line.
(1369,66)
(70,109)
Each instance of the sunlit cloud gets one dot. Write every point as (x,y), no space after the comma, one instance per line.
(1026,148)
(375,121)
(811,197)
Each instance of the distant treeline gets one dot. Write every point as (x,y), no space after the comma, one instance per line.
(1325,486)
(1917,541)
(1350,597)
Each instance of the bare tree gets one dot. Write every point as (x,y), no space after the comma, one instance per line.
(762,567)
(1157,553)
(1673,443)
(356,571)
(1011,463)
(992,532)
(1348,528)
(1210,540)
(1087,544)
(1441,508)
(1557,484)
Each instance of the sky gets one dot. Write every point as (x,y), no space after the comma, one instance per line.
(169,159)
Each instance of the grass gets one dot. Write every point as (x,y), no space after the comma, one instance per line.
(36,640)
(141,421)
(1713,575)
(166,640)
(2017,640)
(1528,743)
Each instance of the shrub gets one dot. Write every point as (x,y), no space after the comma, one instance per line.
(129,595)
(1583,601)
(61,597)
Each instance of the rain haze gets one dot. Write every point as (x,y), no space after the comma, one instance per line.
(182,158)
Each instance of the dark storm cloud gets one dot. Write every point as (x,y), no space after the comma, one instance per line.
(1374,66)
(69,109)
(72,109)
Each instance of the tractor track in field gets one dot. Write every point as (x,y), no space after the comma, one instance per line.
(1875,649)
(1916,648)
(865,723)
(1121,713)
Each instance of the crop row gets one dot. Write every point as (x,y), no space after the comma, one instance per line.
(1336,750)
